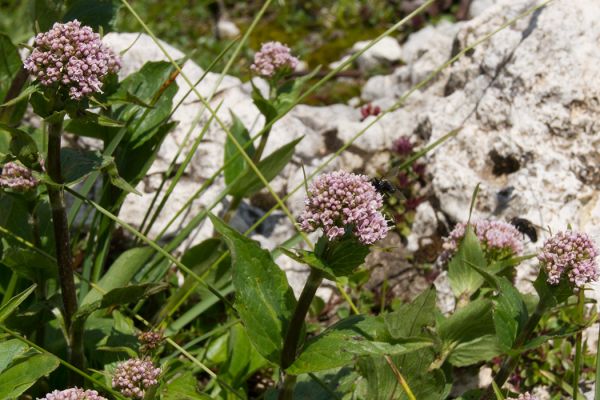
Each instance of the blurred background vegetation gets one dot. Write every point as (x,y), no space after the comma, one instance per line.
(318,31)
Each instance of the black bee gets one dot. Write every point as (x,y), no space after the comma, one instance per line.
(526,227)
(383,186)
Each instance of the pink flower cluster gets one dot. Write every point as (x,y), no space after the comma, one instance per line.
(134,376)
(150,340)
(272,58)
(72,56)
(73,394)
(527,396)
(340,199)
(494,236)
(572,253)
(17,177)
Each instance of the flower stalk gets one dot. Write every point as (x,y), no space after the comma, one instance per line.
(578,345)
(292,338)
(62,239)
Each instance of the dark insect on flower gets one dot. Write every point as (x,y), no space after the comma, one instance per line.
(526,227)
(383,186)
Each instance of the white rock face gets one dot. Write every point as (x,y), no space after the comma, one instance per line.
(311,123)
(386,51)
(527,102)
(227,29)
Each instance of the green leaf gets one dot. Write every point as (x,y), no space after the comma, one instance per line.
(468,323)
(126,98)
(382,384)
(46,12)
(192,314)
(14,302)
(88,118)
(89,128)
(29,264)
(25,94)
(310,258)
(120,296)
(9,350)
(20,377)
(77,164)
(95,13)
(15,216)
(510,313)
(249,183)
(115,179)
(133,164)
(349,339)
(183,387)
(463,279)
(131,293)
(264,300)
(289,92)
(236,166)
(480,349)
(146,85)
(410,319)
(198,258)
(120,272)
(264,106)
(10,65)
(243,360)
(510,310)
(552,295)
(344,256)
(22,145)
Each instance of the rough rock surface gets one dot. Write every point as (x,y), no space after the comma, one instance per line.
(527,102)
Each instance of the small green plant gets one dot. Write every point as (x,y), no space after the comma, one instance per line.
(79,320)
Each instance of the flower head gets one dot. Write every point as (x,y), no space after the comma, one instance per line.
(72,56)
(571,253)
(134,376)
(403,146)
(497,238)
(17,177)
(340,199)
(73,394)
(150,340)
(272,58)
(527,396)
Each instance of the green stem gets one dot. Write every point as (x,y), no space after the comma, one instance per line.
(10,289)
(511,362)
(287,388)
(578,345)
(292,338)
(40,290)
(261,147)
(62,239)
(597,390)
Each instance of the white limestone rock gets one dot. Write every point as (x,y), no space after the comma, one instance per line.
(384,52)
